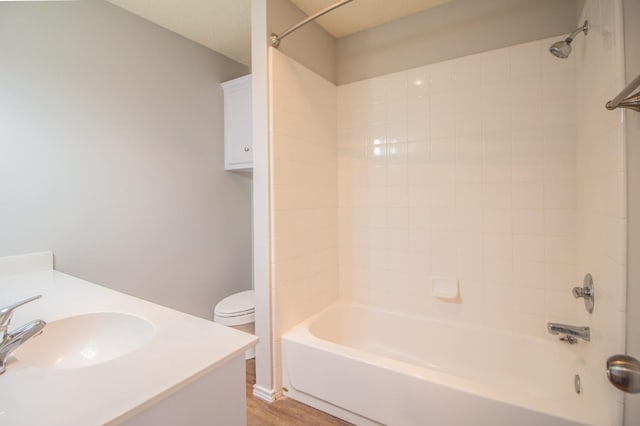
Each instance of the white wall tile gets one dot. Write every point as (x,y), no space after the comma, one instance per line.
(529,300)
(526,113)
(530,324)
(442,103)
(497,221)
(467,121)
(560,222)
(442,192)
(495,66)
(304,184)
(558,111)
(528,155)
(442,77)
(560,249)
(529,274)
(468,72)
(559,276)
(485,194)
(529,248)
(528,195)
(417,118)
(442,126)
(417,82)
(497,119)
(419,195)
(498,296)
(529,221)
(468,195)
(525,60)
(527,89)
(497,195)
(496,158)
(560,195)
(469,158)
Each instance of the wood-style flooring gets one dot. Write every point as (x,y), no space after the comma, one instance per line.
(284,411)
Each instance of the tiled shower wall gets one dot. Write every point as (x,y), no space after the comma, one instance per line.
(463,169)
(601,182)
(303,192)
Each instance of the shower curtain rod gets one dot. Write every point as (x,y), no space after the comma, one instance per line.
(621,101)
(275,39)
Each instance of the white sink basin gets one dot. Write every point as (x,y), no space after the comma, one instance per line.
(85,340)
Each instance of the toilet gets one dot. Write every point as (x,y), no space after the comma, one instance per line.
(238,311)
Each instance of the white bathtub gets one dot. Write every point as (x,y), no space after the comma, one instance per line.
(369,366)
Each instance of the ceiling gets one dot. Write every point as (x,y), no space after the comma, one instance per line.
(220,25)
(225,25)
(362,14)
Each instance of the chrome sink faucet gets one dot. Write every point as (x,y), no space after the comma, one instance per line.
(12,340)
(570,333)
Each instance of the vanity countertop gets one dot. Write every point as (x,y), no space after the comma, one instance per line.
(182,349)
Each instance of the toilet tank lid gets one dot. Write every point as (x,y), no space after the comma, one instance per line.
(237,303)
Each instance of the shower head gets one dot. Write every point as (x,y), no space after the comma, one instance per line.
(562,49)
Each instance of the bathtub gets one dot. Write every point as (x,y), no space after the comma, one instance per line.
(370,367)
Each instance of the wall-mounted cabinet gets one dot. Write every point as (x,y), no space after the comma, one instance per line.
(238,146)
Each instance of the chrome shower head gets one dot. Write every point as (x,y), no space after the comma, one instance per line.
(562,49)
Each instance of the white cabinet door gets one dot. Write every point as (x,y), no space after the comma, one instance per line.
(238,124)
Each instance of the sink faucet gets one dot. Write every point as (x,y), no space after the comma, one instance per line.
(12,340)
(570,332)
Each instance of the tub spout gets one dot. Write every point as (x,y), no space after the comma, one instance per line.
(569,332)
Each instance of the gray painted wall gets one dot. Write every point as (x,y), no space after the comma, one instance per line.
(111,154)
(459,28)
(310,45)
(631,16)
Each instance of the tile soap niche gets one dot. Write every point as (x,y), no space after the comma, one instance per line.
(446,289)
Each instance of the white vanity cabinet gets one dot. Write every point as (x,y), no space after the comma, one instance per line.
(123,361)
(238,149)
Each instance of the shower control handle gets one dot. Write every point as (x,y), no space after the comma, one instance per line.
(581,292)
(587,292)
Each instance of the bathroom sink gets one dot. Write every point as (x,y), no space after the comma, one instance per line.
(85,340)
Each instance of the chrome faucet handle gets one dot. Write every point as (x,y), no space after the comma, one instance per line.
(12,341)
(569,339)
(580,292)
(587,292)
(6,313)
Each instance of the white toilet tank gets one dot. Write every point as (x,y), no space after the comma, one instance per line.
(238,311)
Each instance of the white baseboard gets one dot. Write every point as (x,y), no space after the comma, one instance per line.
(264,394)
